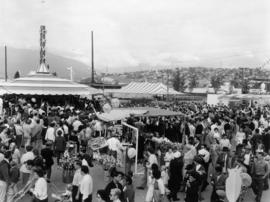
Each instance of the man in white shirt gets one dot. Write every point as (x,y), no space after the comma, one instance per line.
(240,136)
(248,157)
(86,185)
(76,181)
(168,157)
(191,129)
(204,153)
(152,158)
(24,170)
(40,191)
(76,124)
(50,134)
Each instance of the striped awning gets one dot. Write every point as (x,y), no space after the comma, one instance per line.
(45,84)
(147,88)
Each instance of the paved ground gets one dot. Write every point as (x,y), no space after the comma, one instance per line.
(99,183)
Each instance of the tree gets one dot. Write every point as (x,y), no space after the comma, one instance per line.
(17,75)
(236,81)
(182,83)
(179,81)
(193,81)
(245,86)
(216,82)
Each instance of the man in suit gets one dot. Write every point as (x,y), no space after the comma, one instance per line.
(224,159)
(47,155)
(218,182)
(175,177)
(115,183)
(199,168)
(192,186)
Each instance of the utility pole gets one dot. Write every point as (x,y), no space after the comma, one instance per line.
(92,51)
(6,64)
(167,83)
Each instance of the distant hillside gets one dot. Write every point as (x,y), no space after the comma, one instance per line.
(26,60)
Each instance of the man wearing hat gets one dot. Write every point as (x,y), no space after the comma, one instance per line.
(259,172)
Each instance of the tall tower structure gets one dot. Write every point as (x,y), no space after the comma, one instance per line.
(42,44)
(43,68)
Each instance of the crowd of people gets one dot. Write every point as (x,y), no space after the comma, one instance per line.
(212,139)
(202,145)
(35,137)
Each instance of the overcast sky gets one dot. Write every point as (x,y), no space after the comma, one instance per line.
(216,33)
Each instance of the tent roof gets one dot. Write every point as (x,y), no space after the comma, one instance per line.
(43,83)
(146,88)
(122,113)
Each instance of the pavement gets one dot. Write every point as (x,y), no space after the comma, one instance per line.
(57,186)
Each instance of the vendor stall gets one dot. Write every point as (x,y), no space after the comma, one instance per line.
(115,122)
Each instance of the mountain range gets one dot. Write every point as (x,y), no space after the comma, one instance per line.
(26,60)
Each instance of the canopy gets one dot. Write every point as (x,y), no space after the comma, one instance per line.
(119,114)
(123,113)
(147,89)
(42,83)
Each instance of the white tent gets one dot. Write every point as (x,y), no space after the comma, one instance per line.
(144,89)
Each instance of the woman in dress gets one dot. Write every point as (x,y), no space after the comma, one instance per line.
(156,188)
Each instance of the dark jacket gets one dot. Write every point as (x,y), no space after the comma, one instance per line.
(14,174)
(4,171)
(175,176)
(221,160)
(47,155)
(192,191)
(38,162)
(219,182)
(129,193)
(111,186)
(60,143)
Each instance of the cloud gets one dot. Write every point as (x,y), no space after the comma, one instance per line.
(128,33)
